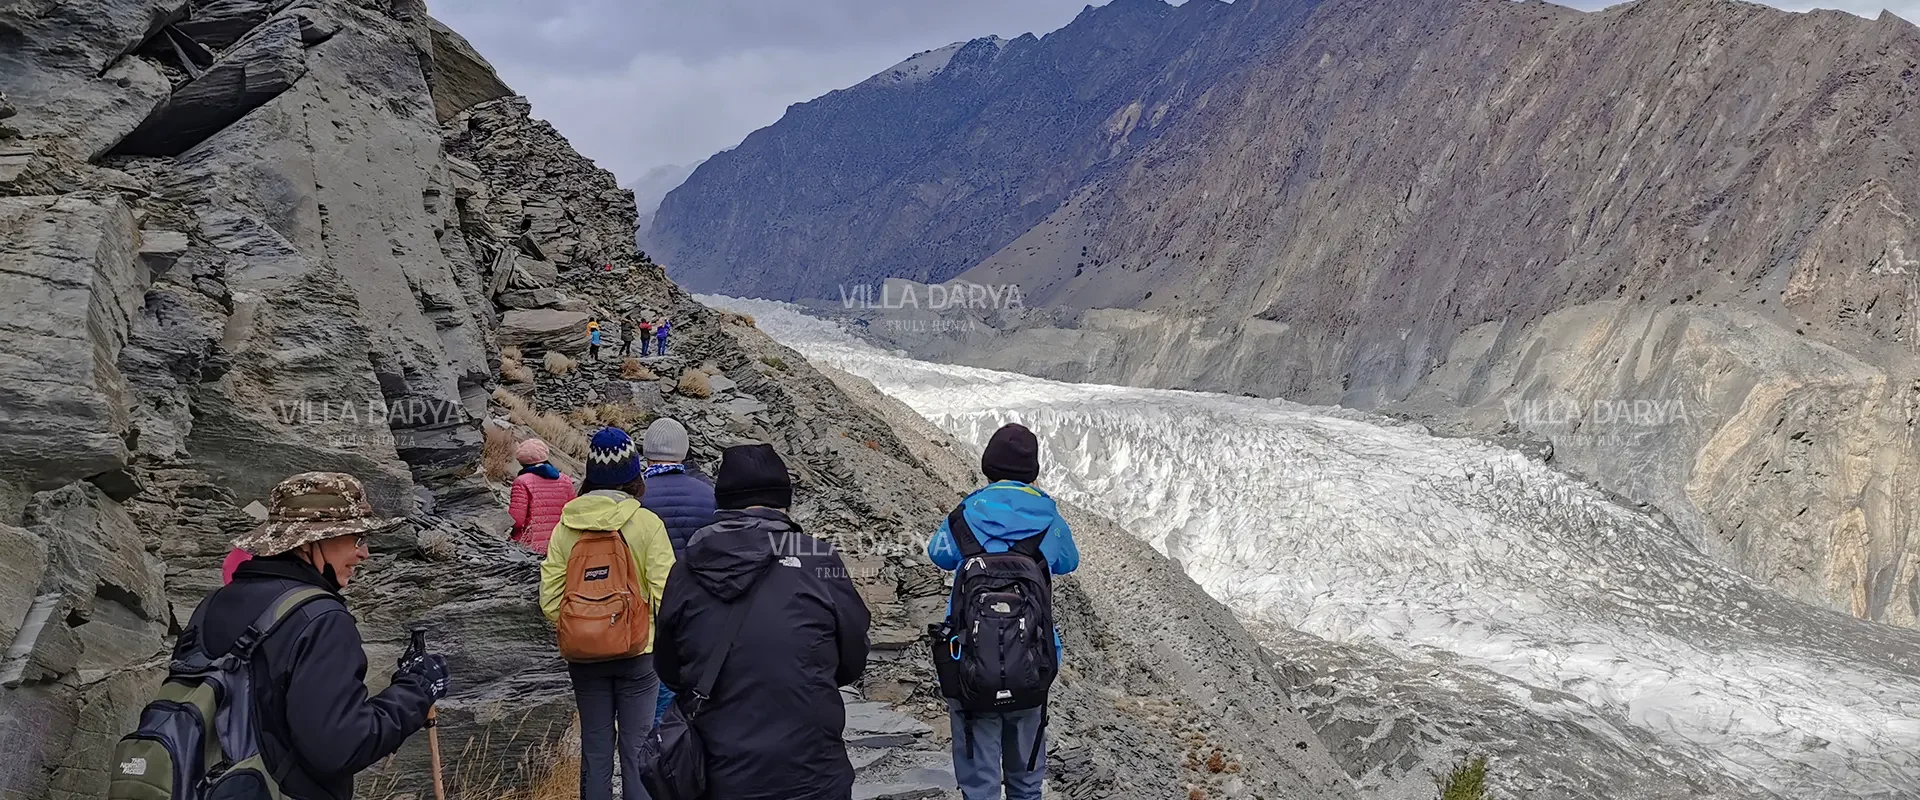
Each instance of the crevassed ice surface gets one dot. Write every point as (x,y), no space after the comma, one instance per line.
(1449,550)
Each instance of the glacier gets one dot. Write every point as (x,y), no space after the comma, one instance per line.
(1459,562)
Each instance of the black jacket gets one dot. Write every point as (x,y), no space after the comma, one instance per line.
(684,501)
(774,728)
(318,726)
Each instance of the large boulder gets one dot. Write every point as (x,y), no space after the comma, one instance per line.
(542,329)
(71,284)
(462,78)
(259,69)
(84,656)
(221,23)
(66,67)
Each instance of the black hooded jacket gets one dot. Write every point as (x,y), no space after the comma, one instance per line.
(318,726)
(774,727)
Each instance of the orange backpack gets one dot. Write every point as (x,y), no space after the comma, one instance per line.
(605,613)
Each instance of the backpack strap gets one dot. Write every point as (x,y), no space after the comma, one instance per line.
(736,620)
(963,536)
(969,544)
(1030,546)
(270,618)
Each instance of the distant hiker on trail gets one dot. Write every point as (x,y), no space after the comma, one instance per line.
(537,497)
(646,333)
(626,338)
(660,332)
(765,618)
(301,684)
(607,545)
(1005,539)
(593,340)
(683,500)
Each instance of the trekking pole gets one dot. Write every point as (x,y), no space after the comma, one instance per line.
(419,645)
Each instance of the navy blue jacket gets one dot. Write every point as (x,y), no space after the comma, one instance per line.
(684,502)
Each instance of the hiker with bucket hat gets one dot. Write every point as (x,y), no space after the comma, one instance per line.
(316,723)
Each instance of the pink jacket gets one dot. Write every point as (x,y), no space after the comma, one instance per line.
(535,507)
(232,562)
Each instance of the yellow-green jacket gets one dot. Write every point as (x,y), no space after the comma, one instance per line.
(608,510)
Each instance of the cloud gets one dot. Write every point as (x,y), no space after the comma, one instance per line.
(641,84)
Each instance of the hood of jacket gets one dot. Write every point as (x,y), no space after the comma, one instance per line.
(604,510)
(1010,511)
(729,556)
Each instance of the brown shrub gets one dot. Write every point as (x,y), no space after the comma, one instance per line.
(510,353)
(496,455)
(437,545)
(558,432)
(633,370)
(693,383)
(511,401)
(558,363)
(555,429)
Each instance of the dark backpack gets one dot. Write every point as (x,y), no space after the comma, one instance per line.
(200,738)
(996,650)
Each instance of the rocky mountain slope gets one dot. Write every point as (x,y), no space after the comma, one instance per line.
(241,239)
(1674,238)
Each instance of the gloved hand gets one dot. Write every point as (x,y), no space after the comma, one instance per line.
(430,668)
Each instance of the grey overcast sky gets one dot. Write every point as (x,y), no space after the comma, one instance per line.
(642,84)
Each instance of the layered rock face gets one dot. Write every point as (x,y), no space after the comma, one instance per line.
(240,240)
(1471,212)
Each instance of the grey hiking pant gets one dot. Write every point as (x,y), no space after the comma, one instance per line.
(997,755)
(616,707)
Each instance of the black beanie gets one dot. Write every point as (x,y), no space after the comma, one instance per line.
(1013,454)
(752,475)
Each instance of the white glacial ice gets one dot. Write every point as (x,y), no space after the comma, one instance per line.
(1448,551)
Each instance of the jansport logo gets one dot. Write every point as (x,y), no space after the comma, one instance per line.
(134,766)
(596,573)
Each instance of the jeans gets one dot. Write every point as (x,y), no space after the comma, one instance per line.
(616,700)
(662,341)
(991,750)
(666,699)
(643,345)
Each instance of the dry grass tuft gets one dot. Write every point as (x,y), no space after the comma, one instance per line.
(557,363)
(633,370)
(693,383)
(558,433)
(437,545)
(512,367)
(555,429)
(496,455)
(616,415)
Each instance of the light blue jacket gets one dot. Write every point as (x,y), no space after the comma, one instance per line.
(1005,512)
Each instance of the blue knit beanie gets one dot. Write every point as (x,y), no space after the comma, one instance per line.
(612,460)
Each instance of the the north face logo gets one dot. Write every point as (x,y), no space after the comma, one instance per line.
(596,574)
(790,561)
(134,766)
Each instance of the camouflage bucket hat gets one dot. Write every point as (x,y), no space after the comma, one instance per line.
(312,507)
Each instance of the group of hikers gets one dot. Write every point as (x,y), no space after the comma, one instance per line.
(645,329)
(706,635)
